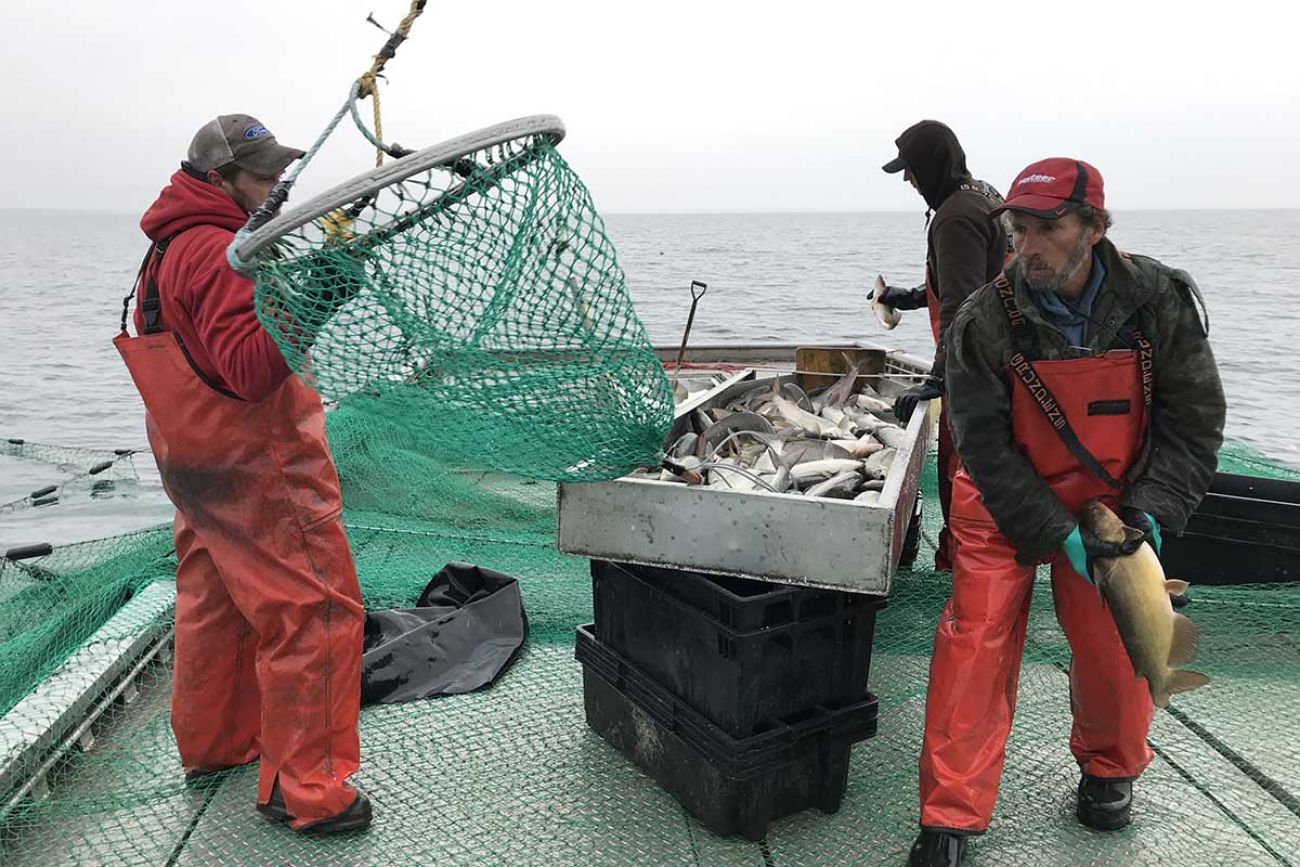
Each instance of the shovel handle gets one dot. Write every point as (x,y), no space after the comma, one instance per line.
(690,320)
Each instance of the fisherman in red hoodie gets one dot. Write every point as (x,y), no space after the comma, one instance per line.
(269,620)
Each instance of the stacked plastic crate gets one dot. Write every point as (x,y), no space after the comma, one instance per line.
(741,698)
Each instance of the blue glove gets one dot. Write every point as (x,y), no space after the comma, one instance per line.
(1144,521)
(1082,546)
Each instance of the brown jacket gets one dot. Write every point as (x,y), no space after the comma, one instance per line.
(965,249)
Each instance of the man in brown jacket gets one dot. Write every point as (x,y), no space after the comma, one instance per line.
(964,250)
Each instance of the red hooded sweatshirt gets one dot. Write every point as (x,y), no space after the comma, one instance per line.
(205,303)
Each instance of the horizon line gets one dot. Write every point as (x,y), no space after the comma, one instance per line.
(682,212)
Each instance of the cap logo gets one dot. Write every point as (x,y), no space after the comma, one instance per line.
(1037,179)
(254,132)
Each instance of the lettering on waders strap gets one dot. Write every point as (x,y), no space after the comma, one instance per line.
(1008,296)
(1146,364)
(1028,376)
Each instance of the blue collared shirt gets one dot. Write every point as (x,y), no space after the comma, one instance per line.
(1071,317)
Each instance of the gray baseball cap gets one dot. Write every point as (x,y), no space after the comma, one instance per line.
(242,140)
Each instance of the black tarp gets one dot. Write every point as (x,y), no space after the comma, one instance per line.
(465,630)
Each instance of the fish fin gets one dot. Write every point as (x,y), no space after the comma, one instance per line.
(1176,586)
(1180,680)
(1186,636)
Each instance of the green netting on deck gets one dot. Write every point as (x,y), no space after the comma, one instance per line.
(512,775)
(482,308)
(51,605)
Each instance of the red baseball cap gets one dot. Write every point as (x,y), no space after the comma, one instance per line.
(1054,187)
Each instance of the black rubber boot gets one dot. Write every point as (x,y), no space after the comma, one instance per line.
(937,849)
(1105,804)
(355,818)
(274,808)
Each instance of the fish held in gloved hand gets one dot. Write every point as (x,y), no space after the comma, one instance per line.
(1137,593)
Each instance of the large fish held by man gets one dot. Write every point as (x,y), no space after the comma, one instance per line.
(1137,593)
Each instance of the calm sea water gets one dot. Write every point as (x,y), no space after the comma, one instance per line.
(772,277)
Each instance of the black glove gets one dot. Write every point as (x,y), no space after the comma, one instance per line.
(1144,521)
(902,299)
(906,402)
(1083,546)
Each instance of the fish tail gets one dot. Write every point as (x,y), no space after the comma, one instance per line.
(1180,680)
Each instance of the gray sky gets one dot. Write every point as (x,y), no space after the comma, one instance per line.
(703,105)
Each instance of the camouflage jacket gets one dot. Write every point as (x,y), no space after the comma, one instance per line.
(1186,423)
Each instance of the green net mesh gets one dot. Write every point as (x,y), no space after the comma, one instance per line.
(512,775)
(96,471)
(483,306)
(50,605)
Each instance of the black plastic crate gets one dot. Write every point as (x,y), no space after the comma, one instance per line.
(740,604)
(743,653)
(1245,531)
(732,785)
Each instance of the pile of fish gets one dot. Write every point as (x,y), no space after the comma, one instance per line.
(777,438)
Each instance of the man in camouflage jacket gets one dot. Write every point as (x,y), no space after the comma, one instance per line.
(1081,373)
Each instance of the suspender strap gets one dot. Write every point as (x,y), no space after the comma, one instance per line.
(1146,362)
(1022,333)
(1024,338)
(126,302)
(150,302)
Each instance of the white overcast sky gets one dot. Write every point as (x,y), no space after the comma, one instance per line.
(673,106)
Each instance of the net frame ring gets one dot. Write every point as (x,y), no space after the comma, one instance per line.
(244,253)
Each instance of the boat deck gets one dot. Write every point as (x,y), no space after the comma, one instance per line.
(512,775)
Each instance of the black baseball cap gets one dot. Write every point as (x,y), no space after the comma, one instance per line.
(242,140)
(915,137)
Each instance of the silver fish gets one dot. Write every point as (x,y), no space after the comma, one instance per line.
(877,466)
(862,447)
(793,393)
(840,419)
(684,446)
(891,436)
(888,316)
(839,393)
(801,451)
(806,421)
(718,432)
(840,486)
(876,405)
(817,471)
